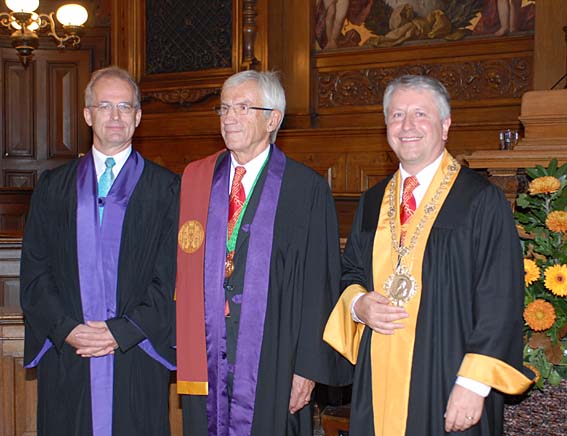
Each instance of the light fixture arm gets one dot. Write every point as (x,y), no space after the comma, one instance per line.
(25,27)
(71,36)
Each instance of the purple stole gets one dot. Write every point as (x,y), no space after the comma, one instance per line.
(255,297)
(98,250)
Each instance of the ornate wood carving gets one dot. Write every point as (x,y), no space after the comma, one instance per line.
(182,96)
(482,79)
(249,14)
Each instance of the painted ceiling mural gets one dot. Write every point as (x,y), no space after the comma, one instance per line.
(389,23)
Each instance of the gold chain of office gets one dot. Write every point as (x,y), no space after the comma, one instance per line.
(401,286)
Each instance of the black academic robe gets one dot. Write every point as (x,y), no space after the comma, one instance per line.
(303,288)
(471,302)
(51,302)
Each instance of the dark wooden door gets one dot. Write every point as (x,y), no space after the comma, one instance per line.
(41,120)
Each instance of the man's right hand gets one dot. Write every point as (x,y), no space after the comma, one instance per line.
(376,312)
(91,341)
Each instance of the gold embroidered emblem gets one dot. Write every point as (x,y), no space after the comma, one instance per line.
(191,236)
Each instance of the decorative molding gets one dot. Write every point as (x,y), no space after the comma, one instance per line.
(249,30)
(181,96)
(465,81)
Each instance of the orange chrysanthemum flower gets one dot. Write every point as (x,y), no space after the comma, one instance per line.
(539,315)
(556,221)
(532,271)
(544,185)
(556,279)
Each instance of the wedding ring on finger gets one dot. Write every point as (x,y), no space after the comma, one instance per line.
(469,418)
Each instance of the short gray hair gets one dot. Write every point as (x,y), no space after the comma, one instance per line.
(442,98)
(271,90)
(115,73)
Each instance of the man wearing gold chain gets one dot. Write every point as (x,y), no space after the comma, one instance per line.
(431,312)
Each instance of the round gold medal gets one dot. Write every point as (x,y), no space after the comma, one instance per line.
(400,286)
(191,236)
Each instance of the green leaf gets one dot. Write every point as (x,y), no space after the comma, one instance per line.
(554,378)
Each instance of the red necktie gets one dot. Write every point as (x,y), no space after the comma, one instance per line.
(236,199)
(407,208)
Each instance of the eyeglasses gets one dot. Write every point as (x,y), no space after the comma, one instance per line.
(239,109)
(106,107)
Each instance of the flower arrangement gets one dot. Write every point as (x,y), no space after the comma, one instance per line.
(541,218)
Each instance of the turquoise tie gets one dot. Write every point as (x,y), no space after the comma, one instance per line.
(104,184)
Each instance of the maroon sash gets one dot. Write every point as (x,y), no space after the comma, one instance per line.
(192,375)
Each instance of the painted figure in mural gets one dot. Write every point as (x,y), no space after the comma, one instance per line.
(501,17)
(331,16)
(386,23)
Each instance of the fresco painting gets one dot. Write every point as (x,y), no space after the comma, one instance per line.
(388,23)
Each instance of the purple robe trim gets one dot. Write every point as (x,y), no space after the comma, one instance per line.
(149,349)
(215,331)
(98,250)
(46,346)
(255,297)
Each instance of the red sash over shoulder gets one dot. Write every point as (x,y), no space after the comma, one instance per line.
(192,377)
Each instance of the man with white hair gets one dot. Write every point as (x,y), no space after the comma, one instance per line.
(258,274)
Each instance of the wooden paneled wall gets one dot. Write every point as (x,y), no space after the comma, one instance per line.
(334,120)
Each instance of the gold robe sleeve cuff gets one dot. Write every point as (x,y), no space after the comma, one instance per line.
(192,388)
(341,332)
(494,373)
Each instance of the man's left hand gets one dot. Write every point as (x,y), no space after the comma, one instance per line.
(104,334)
(464,409)
(300,396)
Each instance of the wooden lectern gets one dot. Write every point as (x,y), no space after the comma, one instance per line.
(544,117)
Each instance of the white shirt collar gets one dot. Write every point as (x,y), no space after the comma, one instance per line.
(424,177)
(119,159)
(252,169)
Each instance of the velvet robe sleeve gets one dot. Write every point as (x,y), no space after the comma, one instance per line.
(321,292)
(40,297)
(152,316)
(495,342)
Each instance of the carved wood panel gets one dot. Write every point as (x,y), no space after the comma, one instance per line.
(64,111)
(41,112)
(366,169)
(17,107)
(465,81)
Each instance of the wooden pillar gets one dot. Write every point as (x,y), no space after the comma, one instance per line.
(550,50)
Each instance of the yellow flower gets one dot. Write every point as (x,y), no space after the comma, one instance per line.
(557,221)
(539,315)
(532,271)
(544,185)
(556,279)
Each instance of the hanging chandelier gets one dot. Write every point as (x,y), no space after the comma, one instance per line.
(26,23)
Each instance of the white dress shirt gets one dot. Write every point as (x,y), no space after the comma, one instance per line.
(119,161)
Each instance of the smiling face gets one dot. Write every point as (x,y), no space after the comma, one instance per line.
(416,132)
(246,136)
(112,131)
